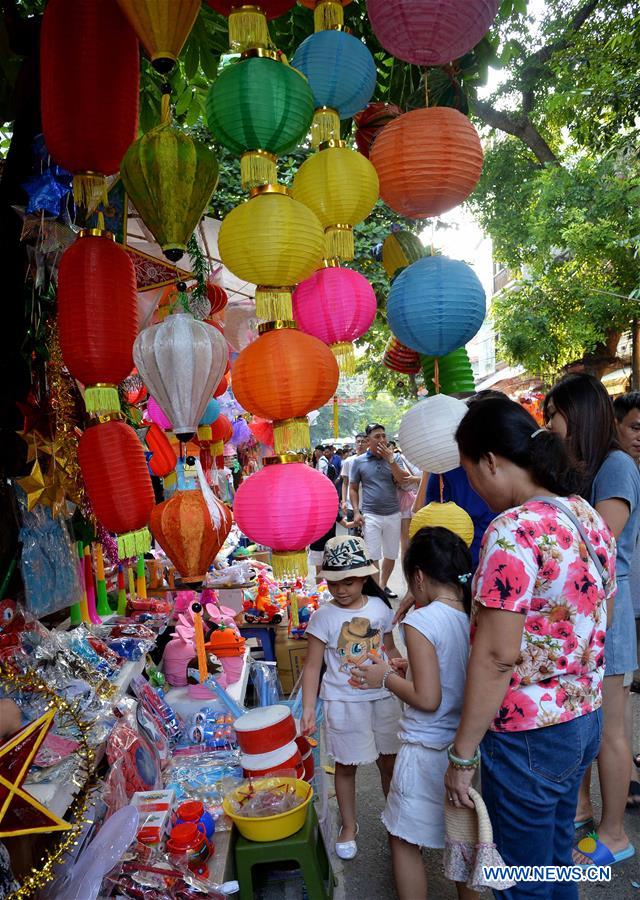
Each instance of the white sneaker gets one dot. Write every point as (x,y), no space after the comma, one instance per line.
(346,849)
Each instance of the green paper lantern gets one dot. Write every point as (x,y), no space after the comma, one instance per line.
(400,249)
(259,108)
(170,179)
(454,373)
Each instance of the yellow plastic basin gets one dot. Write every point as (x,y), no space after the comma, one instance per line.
(270,828)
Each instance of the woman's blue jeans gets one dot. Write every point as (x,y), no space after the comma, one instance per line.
(530,782)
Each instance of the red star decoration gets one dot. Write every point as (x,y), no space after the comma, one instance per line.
(37,417)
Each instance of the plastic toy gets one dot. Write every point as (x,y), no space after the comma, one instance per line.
(262,609)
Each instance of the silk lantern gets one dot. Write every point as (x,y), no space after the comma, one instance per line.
(162,27)
(400,359)
(371,121)
(436,305)
(81,94)
(248,21)
(118,485)
(97,316)
(427,433)
(444,515)
(400,249)
(337,306)
(258,108)
(453,374)
(428,161)
(342,76)
(341,187)
(430,32)
(273,241)
(181,360)
(169,177)
(191,531)
(327,14)
(282,376)
(286,506)
(163,456)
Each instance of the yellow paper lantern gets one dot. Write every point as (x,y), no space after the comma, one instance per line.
(444,515)
(162,27)
(274,242)
(341,187)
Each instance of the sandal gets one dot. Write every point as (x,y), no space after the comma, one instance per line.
(633,798)
(598,854)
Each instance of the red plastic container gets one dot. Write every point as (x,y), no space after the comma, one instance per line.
(265,729)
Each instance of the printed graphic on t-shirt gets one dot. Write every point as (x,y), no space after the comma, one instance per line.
(357,639)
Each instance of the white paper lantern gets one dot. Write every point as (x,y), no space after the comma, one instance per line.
(427,433)
(181,361)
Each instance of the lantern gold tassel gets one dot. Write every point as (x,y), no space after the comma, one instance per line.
(274,303)
(248,28)
(257,167)
(328,14)
(89,189)
(217,448)
(291,434)
(325,126)
(204,433)
(286,565)
(338,241)
(134,543)
(346,357)
(101,399)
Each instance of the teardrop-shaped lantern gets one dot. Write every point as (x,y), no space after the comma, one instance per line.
(181,361)
(162,27)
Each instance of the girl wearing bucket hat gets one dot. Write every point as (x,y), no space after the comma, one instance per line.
(361,725)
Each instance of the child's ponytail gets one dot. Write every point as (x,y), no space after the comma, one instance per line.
(443,557)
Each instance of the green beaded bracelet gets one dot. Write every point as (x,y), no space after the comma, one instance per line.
(459,763)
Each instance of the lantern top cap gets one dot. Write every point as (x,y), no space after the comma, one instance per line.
(332,263)
(97,232)
(269,189)
(333,143)
(262,53)
(277,325)
(281,459)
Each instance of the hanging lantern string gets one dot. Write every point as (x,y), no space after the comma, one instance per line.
(436,375)
(441,480)
(426,87)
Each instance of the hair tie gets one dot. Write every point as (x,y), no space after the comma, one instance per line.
(464,578)
(539,431)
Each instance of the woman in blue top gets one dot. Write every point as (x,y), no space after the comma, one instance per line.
(579,409)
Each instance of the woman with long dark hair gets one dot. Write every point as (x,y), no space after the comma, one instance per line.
(541,592)
(579,410)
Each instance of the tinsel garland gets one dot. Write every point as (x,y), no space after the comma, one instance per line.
(199,305)
(61,391)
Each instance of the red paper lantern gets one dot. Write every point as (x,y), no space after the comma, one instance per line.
(118,484)
(371,121)
(211,439)
(401,359)
(89,86)
(262,430)
(224,384)
(163,456)
(97,317)
(217,297)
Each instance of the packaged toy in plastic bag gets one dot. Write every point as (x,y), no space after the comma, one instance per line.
(48,563)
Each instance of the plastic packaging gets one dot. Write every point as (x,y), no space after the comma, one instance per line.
(48,563)
(271,798)
(264,676)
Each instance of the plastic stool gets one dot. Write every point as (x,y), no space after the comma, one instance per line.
(264,635)
(305,847)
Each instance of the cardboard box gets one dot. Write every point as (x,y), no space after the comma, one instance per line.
(290,656)
(154,808)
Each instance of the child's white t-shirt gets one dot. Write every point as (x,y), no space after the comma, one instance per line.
(448,630)
(349,635)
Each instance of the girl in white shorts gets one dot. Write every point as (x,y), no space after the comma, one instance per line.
(437,567)
(355,627)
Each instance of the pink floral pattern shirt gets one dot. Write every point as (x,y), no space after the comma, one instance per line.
(533,561)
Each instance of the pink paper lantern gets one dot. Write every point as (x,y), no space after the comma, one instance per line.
(431,32)
(337,306)
(264,511)
(155,414)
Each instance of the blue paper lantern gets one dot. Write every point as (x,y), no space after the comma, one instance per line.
(340,70)
(211,412)
(436,305)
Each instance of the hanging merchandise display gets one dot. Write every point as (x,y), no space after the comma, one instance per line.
(342,76)
(371,121)
(337,306)
(274,242)
(453,374)
(162,27)
(341,187)
(430,32)
(400,249)
(282,376)
(181,361)
(258,108)
(400,359)
(81,93)
(264,511)
(97,316)
(444,515)
(436,305)
(248,21)
(170,178)
(427,433)
(428,161)
(326,13)
(115,474)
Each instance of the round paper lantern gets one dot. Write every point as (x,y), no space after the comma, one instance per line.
(169,177)
(428,161)
(274,242)
(217,297)
(223,385)
(118,485)
(337,306)
(371,121)
(430,32)
(342,77)
(444,515)
(157,416)
(266,511)
(162,27)
(454,373)
(258,108)
(401,359)
(97,316)
(436,305)
(326,13)
(283,376)
(211,412)
(81,94)
(427,433)
(191,531)
(163,456)
(400,249)
(248,21)
(341,187)
(181,360)
(262,430)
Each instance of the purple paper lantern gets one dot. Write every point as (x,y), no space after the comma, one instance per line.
(430,32)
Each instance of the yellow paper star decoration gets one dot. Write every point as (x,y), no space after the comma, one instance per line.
(33,485)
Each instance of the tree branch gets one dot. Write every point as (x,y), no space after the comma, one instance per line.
(544,54)
(520,127)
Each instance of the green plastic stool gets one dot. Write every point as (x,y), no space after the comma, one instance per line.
(305,847)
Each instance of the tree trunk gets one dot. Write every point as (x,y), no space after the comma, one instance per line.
(635,356)
(602,358)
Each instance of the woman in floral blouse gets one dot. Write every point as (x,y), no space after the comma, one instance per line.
(541,605)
